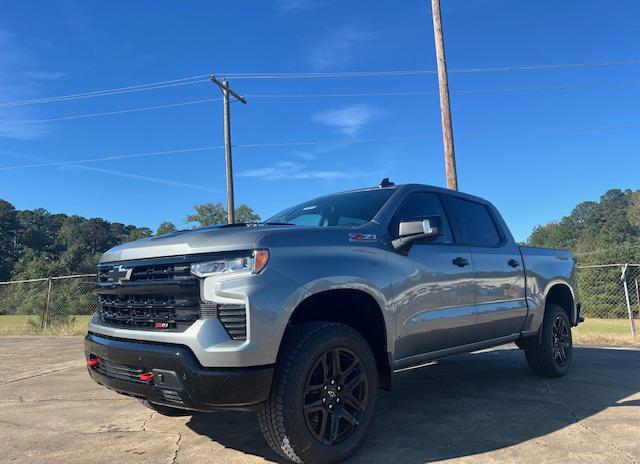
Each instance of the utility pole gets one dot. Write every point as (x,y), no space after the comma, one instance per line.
(445,109)
(226,91)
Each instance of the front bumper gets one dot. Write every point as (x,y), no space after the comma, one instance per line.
(178,379)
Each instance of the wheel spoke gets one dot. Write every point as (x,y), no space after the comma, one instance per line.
(323,426)
(333,429)
(314,388)
(350,369)
(346,415)
(335,363)
(354,402)
(313,407)
(353,383)
(325,369)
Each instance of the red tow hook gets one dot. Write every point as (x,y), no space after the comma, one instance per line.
(146,376)
(93,362)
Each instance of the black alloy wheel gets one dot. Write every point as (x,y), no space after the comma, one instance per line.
(561,341)
(549,353)
(335,397)
(323,394)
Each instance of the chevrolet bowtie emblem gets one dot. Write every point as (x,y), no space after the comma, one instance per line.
(119,274)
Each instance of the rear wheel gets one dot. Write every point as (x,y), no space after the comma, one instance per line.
(551,354)
(323,394)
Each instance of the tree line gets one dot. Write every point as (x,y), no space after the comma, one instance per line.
(598,232)
(37,243)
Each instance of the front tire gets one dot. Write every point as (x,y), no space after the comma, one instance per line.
(323,394)
(550,356)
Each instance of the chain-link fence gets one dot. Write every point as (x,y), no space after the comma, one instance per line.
(63,304)
(610,291)
(53,305)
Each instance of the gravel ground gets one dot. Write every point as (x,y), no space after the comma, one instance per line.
(481,408)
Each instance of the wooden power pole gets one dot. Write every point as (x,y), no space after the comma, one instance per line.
(445,109)
(226,91)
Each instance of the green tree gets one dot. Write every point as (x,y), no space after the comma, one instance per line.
(604,231)
(209,214)
(166,227)
(136,233)
(36,243)
(9,227)
(34,265)
(633,212)
(244,213)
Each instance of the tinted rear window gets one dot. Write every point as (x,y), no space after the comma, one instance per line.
(475,221)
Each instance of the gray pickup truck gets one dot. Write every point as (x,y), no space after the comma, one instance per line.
(304,317)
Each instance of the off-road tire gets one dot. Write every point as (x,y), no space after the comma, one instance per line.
(282,417)
(165,410)
(542,352)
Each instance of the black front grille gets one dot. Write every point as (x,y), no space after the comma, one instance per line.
(119,371)
(149,311)
(154,272)
(162,294)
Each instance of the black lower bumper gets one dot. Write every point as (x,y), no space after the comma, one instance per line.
(178,380)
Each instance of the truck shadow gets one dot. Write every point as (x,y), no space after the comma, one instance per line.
(466,405)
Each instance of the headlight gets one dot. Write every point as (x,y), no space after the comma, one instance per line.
(251,264)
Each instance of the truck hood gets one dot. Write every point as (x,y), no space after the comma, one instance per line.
(206,240)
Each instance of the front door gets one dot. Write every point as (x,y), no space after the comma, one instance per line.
(434,299)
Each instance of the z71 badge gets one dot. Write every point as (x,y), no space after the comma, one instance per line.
(358,237)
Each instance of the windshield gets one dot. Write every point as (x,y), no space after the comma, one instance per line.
(342,209)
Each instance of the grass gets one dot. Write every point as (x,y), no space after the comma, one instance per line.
(614,332)
(30,325)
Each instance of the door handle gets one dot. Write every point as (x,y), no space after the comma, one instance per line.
(460,261)
(513,263)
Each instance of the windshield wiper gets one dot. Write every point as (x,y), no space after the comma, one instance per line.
(275,224)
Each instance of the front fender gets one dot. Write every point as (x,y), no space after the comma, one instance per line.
(337,268)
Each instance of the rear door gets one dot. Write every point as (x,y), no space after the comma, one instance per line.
(499,272)
(435,307)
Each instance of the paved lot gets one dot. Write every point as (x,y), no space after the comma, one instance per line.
(481,408)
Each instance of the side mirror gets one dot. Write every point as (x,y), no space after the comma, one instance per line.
(412,231)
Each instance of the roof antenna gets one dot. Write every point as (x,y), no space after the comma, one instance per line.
(386,183)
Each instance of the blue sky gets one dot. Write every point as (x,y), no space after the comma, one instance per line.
(516,137)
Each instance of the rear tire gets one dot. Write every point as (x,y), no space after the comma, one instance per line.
(166,410)
(323,394)
(550,355)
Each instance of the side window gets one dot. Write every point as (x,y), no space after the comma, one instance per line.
(419,206)
(476,225)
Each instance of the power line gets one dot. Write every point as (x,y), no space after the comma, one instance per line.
(313,75)
(112,158)
(433,92)
(310,75)
(316,142)
(108,113)
(323,95)
(102,93)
